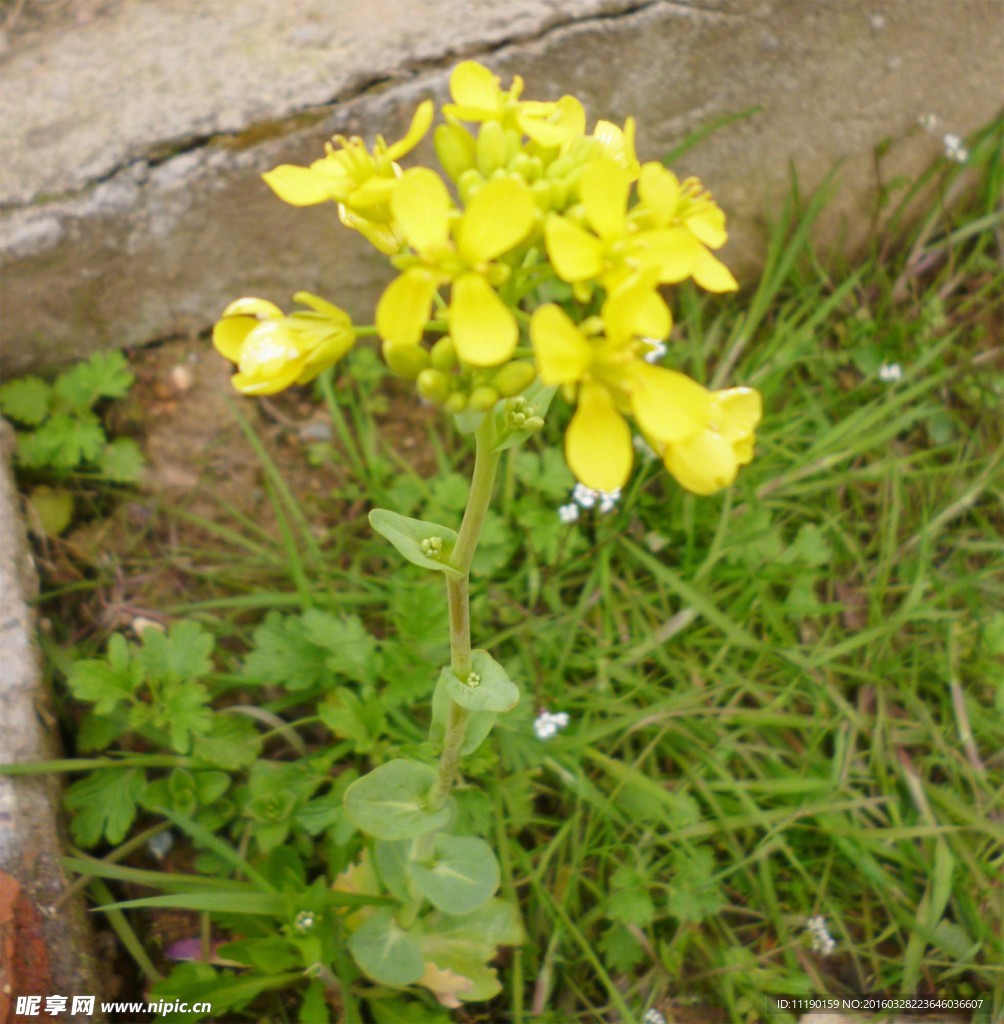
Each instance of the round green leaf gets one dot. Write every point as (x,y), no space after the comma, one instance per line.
(463,874)
(391,802)
(488,689)
(393,860)
(479,725)
(386,952)
(407,535)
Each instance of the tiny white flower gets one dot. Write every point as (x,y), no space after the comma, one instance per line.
(954,149)
(584,496)
(656,350)
(546,724)
(928,122)
(608,501)
(890,372)
(160,845)
(822,941)
(653,1016)
(568,513)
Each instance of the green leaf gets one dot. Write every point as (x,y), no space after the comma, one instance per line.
(180,709)
(386,952)
(479,724)
(353,651)
(104,803)
(26,400)
(631,906)
(396,1011)
(393,864)
(63,441)
(694,894)
(407,535)
(314,1008)
(620,949)
(104,684)
(52,509)
(121,461)
(352,719)
(488,688)
(181,654)
(462,875)
(391,801)
(104,375)
(231,742)
(283,656)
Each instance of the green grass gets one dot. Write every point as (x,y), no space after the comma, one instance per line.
(785,701)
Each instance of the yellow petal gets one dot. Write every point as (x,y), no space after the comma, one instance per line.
(703,464)
(736,412)
(473,86)
(403,309)
(575,254)
(382,237)
(712,275)
(238,320)
(708,224)
(618,145)
(635,310)
(669,406)
(552,124)
(416,130)
(483,328)
(659,190)
(598,440)
(498,217)
(262,309)
(271,359)
(563,354)
(672,251)
(421,206)
(604,191)
(298,186)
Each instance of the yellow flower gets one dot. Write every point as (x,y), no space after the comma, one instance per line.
(609,379)
(665,202)
(618,144)
(478,96)
(459,250)
(361,182)
(273,351)
(614,246)
(709,460)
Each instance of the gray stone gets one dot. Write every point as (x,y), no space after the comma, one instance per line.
(134,205)
(30,846)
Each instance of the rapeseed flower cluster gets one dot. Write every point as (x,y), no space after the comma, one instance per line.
(538,253)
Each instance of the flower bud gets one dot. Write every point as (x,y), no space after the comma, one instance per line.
(455,149)
(433,385)
(490,150)
(444,354)
(529,168)
(457,402)
(533,423)
(513,378)
(542,191)
(405,360)
(469,184)
(483,398)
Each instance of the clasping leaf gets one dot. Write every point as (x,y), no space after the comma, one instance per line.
(407,535)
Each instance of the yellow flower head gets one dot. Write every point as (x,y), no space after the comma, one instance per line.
(358,180)
(478,96)
(460,249)
(273,351)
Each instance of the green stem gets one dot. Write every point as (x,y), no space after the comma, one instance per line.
(458,599)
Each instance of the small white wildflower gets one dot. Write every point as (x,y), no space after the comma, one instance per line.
(303,922)
(160,844)
(929,122)
(642,447)
(546,724)
(584,496)
(653,1016)
(656,350)
(954,149)
(568,513)
(822,941)
(608,501)
(890,372)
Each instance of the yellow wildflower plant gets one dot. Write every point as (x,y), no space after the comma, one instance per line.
(272,350)
(358,180)
(460,250)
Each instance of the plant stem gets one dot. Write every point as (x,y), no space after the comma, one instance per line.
(458,599)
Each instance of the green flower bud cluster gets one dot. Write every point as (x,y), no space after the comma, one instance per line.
(519,415)
(432,547)
(473,680)
(467,389)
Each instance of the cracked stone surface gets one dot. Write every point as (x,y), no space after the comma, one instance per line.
(133,208)
(51,949)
